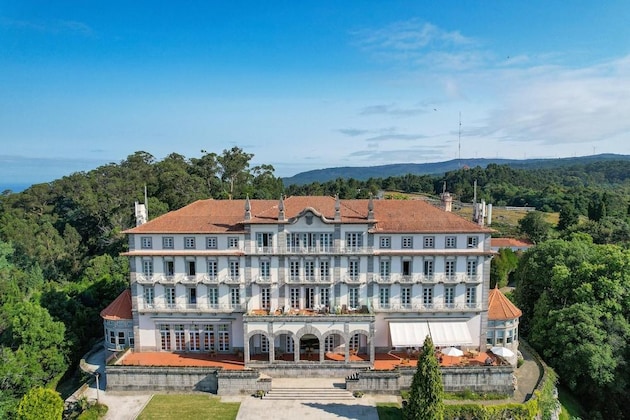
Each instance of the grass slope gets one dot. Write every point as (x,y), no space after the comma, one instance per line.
(190,406)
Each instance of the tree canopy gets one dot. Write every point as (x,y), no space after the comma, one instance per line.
(427,391)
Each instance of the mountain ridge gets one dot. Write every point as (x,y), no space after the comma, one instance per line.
(363,173)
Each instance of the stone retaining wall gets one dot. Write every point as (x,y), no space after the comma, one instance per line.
(495,379)
(184,379)
(316,370)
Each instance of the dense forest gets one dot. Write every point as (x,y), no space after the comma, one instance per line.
(60,244)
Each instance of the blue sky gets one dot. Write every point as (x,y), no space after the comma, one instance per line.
(309,84)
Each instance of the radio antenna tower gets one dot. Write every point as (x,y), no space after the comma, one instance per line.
(459,144)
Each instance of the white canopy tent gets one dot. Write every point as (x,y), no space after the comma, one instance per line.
(412,334)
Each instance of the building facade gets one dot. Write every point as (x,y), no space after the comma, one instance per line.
(304,278)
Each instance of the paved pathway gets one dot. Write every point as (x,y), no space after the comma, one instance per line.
(121,406)
(359,408)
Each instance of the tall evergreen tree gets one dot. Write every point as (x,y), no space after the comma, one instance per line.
(425,398)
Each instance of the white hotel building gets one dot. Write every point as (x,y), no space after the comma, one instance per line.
(307,278)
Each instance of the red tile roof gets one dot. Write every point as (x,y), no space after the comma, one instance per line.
(222,216)
(509,243)
(500,308)
(120,308)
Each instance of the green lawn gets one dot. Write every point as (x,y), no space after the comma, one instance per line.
(571,407)
(389,411)
(184,407)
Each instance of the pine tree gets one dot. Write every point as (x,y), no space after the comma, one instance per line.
(425,398)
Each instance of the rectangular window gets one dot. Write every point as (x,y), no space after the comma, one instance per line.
(165,337)
(324,270)
(309,270)
(235,269)
(427,296)
(449,296)
(265,269)
(189,242)
(195,339)
(294,296)
(309,240)
(353,297)
(212,269)
(180,339)
(353,269)
(264,241)
(213,297)
(383,297)
(192,296)
(407,242)
(147,268)
(168,242)
(112,337)
(146,242)
(429,242)
(233,242)
(169,297)
(354,240)
(121,338)
(471,268)
(148,295)
(208,338)
(451,242)
(406,268)
(224,337)
(309,297)
(265,297)
(294,270)
(235,297)
(264,344)
(191,268)
(293,242)
(449,269)
(324,297)
(428,268)
(471,296)
(405,297)
(386,242)
(385,270)
(211,242)
(169,268)
(325,241)
(472,241)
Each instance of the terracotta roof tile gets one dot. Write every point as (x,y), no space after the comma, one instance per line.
(220,216)
(509,243)
(120,308)
(501,308)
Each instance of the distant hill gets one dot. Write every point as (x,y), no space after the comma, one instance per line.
(363,173)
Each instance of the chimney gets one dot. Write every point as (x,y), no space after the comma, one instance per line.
(141,214)
(248,207)
(447,200)
(281,215)
(337,209)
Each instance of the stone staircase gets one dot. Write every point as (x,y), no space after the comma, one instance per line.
(311,394)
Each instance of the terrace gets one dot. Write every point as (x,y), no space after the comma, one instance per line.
(234,361)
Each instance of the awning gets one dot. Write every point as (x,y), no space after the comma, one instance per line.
(450,334)
(412,334)
(408,334)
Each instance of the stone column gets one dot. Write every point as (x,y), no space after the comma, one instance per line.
(246,349)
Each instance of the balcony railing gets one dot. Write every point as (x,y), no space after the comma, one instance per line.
(302,250)
(190,307)
(308,279)
(425,307)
